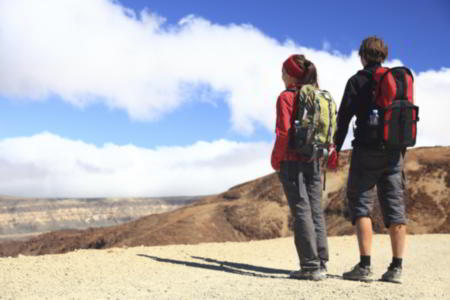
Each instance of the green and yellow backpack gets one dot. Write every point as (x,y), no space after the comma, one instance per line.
(314,122)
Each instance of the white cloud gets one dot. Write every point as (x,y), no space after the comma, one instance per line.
(46,165)
(432,94)
(97,50)
(89,51)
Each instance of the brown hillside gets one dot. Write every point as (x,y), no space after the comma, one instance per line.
(258,210)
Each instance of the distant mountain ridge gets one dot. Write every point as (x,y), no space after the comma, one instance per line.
(258,210)
(21,217)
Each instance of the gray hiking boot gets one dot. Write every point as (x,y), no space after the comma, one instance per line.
(323,269)
(306,274)
(359,273)
(393,274)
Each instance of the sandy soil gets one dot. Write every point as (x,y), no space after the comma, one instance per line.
(247,270)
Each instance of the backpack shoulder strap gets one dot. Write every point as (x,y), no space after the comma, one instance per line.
(375,76)
(296,91)
(375,73)
(291,90)
(366,73)
(302,93)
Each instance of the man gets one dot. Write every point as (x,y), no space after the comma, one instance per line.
(370,166)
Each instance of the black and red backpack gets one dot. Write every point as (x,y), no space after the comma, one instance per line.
(393,99)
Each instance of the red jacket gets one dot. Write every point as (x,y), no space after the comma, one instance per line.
(285,110)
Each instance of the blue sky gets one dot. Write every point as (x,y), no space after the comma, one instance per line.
(124,90)
(417,31)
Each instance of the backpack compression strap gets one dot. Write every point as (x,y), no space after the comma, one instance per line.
(327,96)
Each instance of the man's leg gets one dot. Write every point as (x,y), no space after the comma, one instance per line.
(362,271)
(397,233)
(391,194)
(364,234)
(365,169)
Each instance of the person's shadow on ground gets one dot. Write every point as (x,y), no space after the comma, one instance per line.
(229,267)
(225,266)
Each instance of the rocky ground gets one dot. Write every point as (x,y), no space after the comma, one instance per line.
(231,270)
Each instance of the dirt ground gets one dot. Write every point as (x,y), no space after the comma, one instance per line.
(232,270)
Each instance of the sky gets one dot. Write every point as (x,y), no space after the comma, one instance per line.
(130,98)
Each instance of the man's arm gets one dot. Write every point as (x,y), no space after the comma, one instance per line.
(346,112)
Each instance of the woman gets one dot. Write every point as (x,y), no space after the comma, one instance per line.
(300,177)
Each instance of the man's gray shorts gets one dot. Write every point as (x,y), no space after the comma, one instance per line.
(385,170)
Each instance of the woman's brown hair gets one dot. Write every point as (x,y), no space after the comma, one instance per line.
(373,50)
(310,75)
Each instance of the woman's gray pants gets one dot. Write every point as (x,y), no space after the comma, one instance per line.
(303,188)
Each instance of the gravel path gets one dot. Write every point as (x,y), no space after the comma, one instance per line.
(253,270)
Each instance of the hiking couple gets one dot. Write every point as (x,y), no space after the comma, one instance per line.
(373,160)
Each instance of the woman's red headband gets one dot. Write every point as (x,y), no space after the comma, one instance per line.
(291,67)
